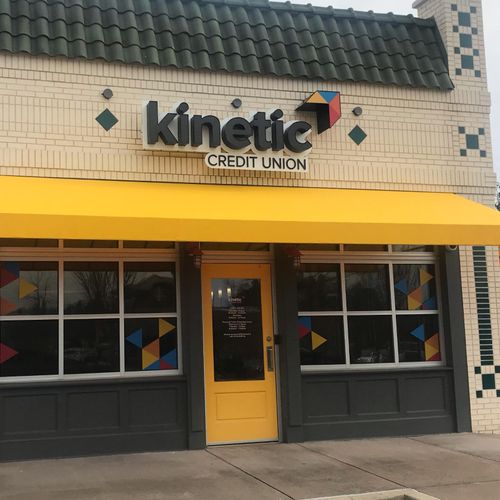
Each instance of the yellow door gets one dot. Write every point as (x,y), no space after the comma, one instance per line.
(240,381)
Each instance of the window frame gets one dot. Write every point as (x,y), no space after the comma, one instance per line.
(390,258)
(119,255)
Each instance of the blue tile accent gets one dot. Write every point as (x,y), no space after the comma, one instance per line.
(480,131)
(477,370)
(463,152)
(488,381)
(455,29)
(479,394)
(483,309)
(465,41)
(464,18)
(457,50)
(477,74)
(473,10)
(474,31)
(461,130)
(454,7)
(107,120)
(472,141)
(458,72)
(357,134)
(475,52)
(482,154)
(467,62)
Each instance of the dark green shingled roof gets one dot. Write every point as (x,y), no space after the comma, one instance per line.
(249,36)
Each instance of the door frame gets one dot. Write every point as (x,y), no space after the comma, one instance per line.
(243,259)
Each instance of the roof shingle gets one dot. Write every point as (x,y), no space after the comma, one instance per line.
(250,36)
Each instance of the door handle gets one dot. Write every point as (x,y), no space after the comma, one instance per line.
(270,359)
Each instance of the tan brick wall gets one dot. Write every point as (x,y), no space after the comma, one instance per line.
(48,128)
(485,404)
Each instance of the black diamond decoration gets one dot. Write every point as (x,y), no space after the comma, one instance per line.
(107,120)
(357,134)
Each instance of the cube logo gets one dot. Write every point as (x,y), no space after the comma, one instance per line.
(327,107)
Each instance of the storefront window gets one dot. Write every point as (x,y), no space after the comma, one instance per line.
(90,287)
(415,287)
(149,287)
(28,288)
(370,339)
(319,288)
(115,317)
(91,346)
(29,348)
(321,340)
(367,287)
(370,311)
(418,338)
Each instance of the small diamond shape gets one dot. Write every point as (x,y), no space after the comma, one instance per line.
(107,120)
(357,134)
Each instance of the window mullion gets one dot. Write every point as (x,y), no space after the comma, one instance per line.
(60,299)
(393,313)
(121,311)
(344,314)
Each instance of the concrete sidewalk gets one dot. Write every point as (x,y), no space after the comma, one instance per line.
(449,467)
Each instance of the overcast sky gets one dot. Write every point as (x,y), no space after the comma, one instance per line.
(491,16)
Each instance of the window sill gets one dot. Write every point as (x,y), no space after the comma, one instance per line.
(13,384)
(377,369)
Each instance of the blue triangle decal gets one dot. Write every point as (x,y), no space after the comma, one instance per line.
(305,321)
(153,366)
(430,304)
(328,96)
(12,267)
(136,338)
(402,286)
(171,358)
(419,332)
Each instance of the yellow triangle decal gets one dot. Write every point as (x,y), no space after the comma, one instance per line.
(413,304)
(434,341)
(425,277)
(164,327)
(316,98)
(147,359)
(317,340)
(430,350)
(25,288)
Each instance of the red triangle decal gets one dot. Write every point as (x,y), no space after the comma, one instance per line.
(6,277)
(165,366)
(303,331)
(6,353)
(6,307)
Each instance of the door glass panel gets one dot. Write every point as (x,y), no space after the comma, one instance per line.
(237,329)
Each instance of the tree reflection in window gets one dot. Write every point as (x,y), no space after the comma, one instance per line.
(91,288)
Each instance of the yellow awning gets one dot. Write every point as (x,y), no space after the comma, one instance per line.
(89,209)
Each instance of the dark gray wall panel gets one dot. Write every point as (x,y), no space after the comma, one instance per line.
(376,396)
(453,319)
(92,417)
(153,408)
(336,405)
(360,404)
(93,410)
(428,394)
(285,276)
(29,414)
(192,347)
